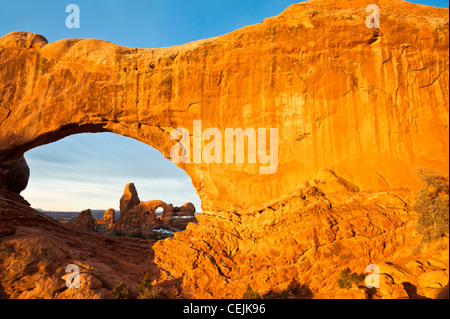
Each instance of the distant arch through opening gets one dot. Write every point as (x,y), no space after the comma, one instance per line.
(159,211)
(90,170)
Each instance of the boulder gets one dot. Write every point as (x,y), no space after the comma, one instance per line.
(433,279)
(15,175)
(84,220)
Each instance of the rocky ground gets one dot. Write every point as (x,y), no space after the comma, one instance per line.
(35,250)
(299,243)
(303,241)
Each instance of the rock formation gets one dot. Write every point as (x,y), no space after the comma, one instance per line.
(129,198)
(141,217)
(109,217)
(35,251)
(302,242)
(358,111)
(84,220)
(180,217)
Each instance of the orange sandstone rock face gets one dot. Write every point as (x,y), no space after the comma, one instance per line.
(129,199)
(14,177)
(371,104)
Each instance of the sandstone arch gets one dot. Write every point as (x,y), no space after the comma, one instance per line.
(361,102)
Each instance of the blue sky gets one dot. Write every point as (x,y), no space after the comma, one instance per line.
(90,170)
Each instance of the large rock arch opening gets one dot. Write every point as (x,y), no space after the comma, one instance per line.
(64,171)
(264,76)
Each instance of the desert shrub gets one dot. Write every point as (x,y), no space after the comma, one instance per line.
(432,206)
(251,294)
(154,292)
(148,289)
(121,292)
(347,279)
(145,284)
(285,294)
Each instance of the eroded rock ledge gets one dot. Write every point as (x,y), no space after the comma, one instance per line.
(300,242)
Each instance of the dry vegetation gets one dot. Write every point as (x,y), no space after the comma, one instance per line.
(432,205)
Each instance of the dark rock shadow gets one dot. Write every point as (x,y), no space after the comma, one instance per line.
(3,294)
(304,292)
(443,293)
(369,292)
(411,290)
(294,291)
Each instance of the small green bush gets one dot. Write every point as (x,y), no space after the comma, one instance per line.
(285,294)
(148,289)
(432,206)
(121,292)
(251,294)
(347,279)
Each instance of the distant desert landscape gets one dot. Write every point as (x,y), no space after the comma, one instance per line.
(344,193)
